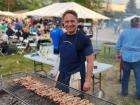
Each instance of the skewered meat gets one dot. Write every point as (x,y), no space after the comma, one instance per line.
(52,93)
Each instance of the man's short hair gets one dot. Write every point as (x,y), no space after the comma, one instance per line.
(69,12)
(135,21)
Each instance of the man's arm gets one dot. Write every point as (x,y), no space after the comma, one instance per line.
(89,59)
(118,47)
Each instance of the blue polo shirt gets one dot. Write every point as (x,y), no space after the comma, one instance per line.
(129,45)
(55,34)
(73,52)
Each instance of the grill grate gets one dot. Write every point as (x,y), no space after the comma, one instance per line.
(28,97)
(6,99)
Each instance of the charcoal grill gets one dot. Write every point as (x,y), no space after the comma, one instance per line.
(29,97)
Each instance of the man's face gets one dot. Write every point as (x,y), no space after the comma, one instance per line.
(70,23)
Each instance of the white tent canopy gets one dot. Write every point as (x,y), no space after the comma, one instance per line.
(57,9)
(7,13)
(41,11)
(1,13)
(131,17)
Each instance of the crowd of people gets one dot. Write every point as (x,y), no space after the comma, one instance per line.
(22,29)
(28,26)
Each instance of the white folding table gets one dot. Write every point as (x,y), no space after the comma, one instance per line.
(101,67)
(97,73)
(51,59)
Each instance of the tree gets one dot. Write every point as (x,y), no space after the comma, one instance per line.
(6,5)
(14,5)
(138,11)
(131,8)
(97,5)
(2,4)
(31,4)
(63,0)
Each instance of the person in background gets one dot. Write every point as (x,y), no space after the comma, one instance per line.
(38,30)
(10,31)
(32,29)
(81,28)
(26,32)
(75,49)
(17,25)
(128,47)
(3,27)
(31,22)
(19,33)
(55,35)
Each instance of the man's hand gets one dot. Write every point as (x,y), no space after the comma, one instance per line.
(86,86)
(118,56)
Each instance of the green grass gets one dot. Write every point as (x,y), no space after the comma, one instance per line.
(17,63)
(110,84)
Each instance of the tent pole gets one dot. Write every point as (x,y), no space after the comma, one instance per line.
(96,34)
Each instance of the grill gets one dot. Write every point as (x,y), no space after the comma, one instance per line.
(6,99)
(29,97)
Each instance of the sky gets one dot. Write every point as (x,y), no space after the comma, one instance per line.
(125,1)
(119,1)
(122,1)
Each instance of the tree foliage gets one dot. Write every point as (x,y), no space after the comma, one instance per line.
(7,5)
(2,4)
(131,7)
(30,4)
(97,5)
(14,5)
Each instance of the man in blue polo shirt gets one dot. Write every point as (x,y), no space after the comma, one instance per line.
(128,46)
(55,34)
(75,49)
